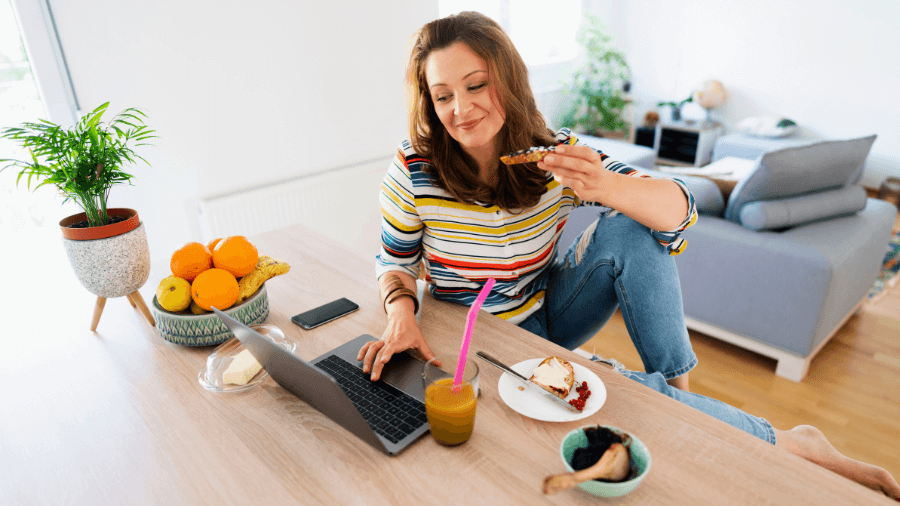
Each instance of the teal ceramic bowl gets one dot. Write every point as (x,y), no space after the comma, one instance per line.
(188,329)
(640,457)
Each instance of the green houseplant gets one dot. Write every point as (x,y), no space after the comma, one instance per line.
(107,248)
(84,161)
(597,88)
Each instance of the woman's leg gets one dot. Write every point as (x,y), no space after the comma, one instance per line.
(727,413)
(809,442)
(617,263)
(804,441)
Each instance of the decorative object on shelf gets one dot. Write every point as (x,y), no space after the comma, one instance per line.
(644,134)
(107,248)
(600,87)
(767,126)
(670,112)
(709,95)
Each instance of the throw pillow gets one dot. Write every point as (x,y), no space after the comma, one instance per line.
(784,213)
(800,170)
(767,126)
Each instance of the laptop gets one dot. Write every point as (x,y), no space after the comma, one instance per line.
(389,414)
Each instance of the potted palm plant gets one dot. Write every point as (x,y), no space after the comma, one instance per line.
(106,247)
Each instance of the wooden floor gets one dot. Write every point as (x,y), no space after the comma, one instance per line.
(852,392)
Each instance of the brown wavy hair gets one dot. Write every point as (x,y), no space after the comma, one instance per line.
(519,186)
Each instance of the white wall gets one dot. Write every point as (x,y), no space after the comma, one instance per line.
(240,93)
(830,65)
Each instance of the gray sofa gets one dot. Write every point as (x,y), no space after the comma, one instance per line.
(788,260)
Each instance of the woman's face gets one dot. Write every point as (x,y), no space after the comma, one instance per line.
(463,97)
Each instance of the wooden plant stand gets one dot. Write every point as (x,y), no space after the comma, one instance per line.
(136,301)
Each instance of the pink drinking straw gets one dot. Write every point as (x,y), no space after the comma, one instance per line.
(470,325)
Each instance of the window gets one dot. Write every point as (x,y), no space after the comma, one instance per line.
(34,84)
(19,101)
(543,32)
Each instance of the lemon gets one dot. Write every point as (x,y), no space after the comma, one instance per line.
(174,294)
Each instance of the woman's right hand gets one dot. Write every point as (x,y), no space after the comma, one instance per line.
(402,333)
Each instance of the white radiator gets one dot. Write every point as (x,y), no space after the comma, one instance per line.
(341,204)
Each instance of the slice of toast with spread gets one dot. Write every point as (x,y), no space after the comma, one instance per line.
(555,375)
(527,155)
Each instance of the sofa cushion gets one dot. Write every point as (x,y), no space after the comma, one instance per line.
(784,213)
(800,170)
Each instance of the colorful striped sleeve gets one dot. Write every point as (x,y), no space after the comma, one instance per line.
(401,226)
(671,240)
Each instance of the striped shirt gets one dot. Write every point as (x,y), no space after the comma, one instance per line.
(463,245)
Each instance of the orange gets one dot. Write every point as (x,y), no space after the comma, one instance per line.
(212,244)
(190,260)
(236,255)
(215,287)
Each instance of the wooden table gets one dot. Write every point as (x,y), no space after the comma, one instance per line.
(117,416)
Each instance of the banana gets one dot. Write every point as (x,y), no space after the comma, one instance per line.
(266,268)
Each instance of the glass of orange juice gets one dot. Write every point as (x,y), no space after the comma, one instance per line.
(451,412)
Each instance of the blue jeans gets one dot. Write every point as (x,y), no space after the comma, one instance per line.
(617,263)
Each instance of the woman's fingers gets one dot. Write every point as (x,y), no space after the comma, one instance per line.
(374,346)
(583,152)
(568,166)
(362,351)
(575,158)
(427,353)
(379,362)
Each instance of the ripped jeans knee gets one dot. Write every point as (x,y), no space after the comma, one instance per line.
(587,236)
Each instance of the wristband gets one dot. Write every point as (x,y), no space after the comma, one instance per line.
(392,287)
(402,292)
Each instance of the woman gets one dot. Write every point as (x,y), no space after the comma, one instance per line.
(449,203)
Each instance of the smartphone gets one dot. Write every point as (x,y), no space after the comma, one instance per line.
(324,313)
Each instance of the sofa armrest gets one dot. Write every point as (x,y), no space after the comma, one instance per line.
(786,289)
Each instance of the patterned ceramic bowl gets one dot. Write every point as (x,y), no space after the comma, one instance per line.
(640,462)
(190,329)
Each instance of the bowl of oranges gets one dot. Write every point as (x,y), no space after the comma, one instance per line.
(228,274)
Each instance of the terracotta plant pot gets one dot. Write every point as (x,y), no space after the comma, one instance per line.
(112,260)
(90,233)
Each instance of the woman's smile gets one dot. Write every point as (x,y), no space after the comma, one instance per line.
(469,124)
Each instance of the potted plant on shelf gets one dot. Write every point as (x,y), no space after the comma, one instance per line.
(599,88)
(106,247)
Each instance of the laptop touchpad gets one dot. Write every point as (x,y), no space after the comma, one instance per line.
(405,372)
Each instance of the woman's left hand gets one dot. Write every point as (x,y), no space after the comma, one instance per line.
(579,168)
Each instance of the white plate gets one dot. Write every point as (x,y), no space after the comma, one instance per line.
(533,405)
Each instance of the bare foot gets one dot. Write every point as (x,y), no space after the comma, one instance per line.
(680,382)
(809,442)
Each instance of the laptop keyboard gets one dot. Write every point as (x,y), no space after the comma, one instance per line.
(390,412)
